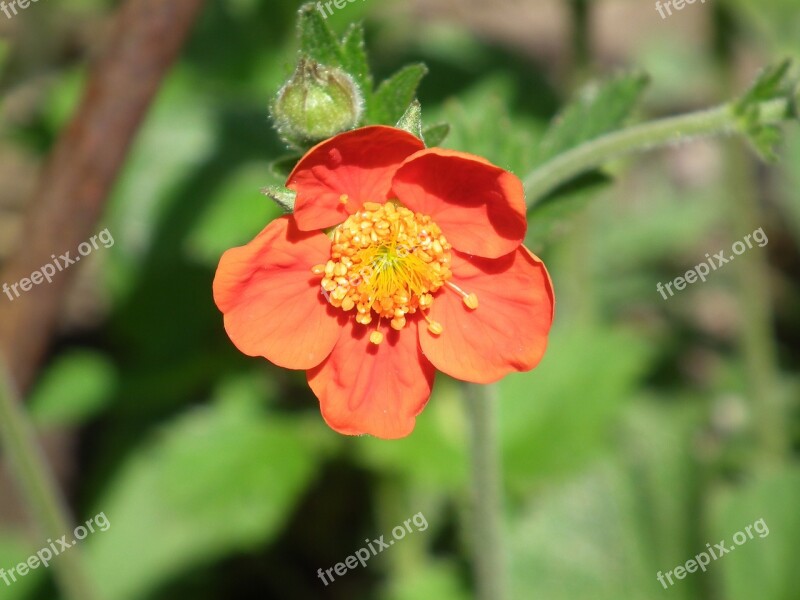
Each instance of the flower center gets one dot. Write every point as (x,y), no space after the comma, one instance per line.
(386,262)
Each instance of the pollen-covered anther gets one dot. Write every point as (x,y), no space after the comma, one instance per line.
(470,300)
(386,260)
(434,326)
(376,337)
(398,323)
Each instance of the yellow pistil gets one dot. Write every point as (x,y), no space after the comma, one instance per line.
(386,260)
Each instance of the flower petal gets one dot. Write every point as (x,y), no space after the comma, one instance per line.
(272,301)
(479,206)
(359,164)
(508,330)
(379,390)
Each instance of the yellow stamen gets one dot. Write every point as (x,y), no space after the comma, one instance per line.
(344,198)
(433,326)
(470,300)
(388,262)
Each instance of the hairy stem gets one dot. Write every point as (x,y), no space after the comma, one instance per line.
(39,489)
(486,524)
(673,130)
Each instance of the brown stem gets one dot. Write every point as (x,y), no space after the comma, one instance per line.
(83,167)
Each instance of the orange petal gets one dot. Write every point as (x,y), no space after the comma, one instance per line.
(271,300)
(379,390)
(508,330)
(479,206)
(357,164)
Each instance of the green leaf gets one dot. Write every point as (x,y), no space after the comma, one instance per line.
(317,41)
(283,197)
(394,95)
(73,389)
(654,441)
(354,58)
(411,121)
(579,541)
(236,214)
(632,508)
(175,143)
(481,124)
(765,140)
(433,578)
(769,83)
(772,83)
(219,480)
(553,215)
(435,134)
(764,567)
(600,108)
(549,425)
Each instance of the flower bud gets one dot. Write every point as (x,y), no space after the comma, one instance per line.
(316,103)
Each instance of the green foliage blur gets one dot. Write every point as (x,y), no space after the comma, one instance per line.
(637,441)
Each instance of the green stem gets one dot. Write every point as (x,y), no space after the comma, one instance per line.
(39,489)
(756,335)
(673,130)
(486,524)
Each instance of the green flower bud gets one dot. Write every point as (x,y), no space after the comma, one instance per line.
(316,103)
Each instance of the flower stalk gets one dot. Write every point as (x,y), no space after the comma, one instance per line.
(39,489)
(486,523)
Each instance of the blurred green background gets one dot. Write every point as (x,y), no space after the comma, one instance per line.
(644,433)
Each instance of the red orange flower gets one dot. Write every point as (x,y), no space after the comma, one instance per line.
(424,269)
